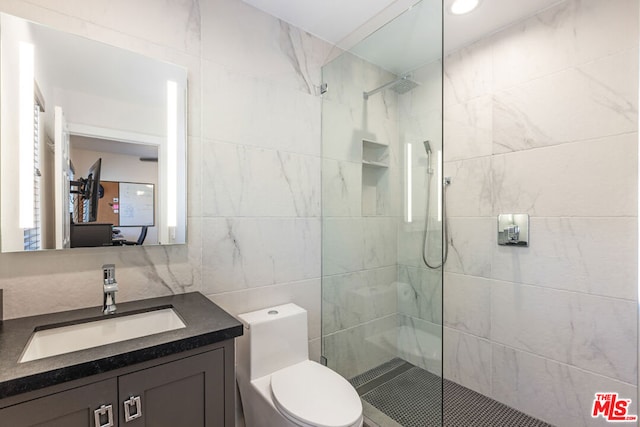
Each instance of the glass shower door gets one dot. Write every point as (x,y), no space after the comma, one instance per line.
(382,218)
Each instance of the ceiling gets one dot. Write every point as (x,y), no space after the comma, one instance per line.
(409,40)
(114,147)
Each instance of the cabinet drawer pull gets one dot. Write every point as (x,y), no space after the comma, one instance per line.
(104,410)
(132,401)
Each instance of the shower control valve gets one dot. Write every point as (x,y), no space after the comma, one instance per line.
(513,230)
(513,233)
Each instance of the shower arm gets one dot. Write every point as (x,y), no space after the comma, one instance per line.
(366,95)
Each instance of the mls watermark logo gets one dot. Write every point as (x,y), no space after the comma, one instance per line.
(612,408)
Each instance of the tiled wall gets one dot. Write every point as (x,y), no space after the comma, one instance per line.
(254,162)
(359,259)
(541,118)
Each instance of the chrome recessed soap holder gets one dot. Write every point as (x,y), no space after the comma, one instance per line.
(513,230)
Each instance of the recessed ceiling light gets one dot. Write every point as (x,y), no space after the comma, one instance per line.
(460,7)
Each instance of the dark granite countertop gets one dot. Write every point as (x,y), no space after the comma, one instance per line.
(206,323)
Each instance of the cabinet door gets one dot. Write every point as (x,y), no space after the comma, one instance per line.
(187,392)
(71,408)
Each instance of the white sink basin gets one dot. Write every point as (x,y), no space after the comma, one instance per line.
(65,339)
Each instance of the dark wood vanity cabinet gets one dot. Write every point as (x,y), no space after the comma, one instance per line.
(188,392)
(70,408)
(193,390)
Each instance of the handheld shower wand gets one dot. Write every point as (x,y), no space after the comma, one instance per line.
(427,148)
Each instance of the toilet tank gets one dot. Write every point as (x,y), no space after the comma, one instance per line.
(275,338)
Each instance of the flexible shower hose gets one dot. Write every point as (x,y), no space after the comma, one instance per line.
(445,226)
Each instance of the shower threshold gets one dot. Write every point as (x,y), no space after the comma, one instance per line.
(399,394)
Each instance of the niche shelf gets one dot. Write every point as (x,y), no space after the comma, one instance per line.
(375,154)
(375,164)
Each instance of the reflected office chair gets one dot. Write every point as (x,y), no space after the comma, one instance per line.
(140,241)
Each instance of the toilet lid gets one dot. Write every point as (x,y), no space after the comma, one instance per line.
(315,395)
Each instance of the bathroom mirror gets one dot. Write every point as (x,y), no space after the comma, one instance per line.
(92,140)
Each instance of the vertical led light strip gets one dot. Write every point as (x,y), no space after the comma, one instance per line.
(409,186)
(172,153)
(26,134)
(439,184)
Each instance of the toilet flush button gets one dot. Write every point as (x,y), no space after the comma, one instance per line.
(272,312)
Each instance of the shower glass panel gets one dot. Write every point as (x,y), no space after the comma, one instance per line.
(382,213)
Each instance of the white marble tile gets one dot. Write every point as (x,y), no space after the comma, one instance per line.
(242,109)
(423,127)
(467,360)
(554,392)
(420,343)
(423,184)
(344,76)
(341,188)
(194,176)
(356,350)
(315,349)
(141,272)
(467,304)
(383,104)
(194,98)
(468,129)
(380,111)
(248,181)
(380,242)
(355,298)
(470,246)
(426,97)
(194,250)
(471,190)
(249,252)
(533,115)
(594,333)
(420,293)
(305,293)
(591,255)
(468,73)
(342,245)
(571,33)
(411,243)
(381,191)
(588,178)
(342,132)
(379,128)
(255,43)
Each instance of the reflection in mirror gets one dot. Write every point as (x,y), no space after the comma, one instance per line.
(92,143)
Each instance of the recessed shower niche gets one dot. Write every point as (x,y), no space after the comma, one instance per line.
(375,176)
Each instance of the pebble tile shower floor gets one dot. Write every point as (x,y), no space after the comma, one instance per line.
(412,399)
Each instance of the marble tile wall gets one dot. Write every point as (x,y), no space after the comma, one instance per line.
(253,169)
(541,118)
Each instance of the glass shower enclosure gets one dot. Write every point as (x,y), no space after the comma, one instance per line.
(383,221)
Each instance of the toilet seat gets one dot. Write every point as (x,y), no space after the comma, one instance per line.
(312,395)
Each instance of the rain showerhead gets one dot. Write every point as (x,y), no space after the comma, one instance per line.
(403,85)
(400,85)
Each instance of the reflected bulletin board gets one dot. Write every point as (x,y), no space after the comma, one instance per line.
(127,204)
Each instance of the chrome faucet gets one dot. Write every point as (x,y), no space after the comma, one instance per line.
(110,287)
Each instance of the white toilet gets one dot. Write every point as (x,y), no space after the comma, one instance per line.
(279,385)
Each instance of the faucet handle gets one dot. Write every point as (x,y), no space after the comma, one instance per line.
(109,273)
